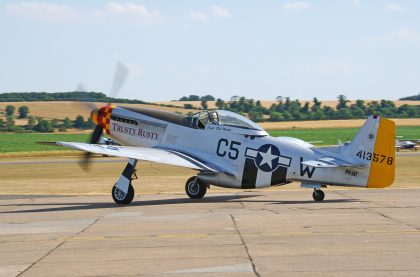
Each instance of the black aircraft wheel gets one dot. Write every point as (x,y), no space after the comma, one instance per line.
(195,189)
(122,198)
(318,195)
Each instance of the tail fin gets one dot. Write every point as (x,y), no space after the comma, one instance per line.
(375,145)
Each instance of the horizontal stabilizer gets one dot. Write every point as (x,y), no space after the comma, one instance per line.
(332,162)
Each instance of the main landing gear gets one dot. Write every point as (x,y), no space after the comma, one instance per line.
(318,195)
(195,189)
(121,197)
(123,191)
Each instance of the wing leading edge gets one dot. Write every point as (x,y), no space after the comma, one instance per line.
(162,156)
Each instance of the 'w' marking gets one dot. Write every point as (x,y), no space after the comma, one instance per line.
(308,171)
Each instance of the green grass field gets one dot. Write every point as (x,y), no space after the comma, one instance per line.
(328,136)
(27,142)
(331,136)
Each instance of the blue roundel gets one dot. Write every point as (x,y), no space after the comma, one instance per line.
(267,158)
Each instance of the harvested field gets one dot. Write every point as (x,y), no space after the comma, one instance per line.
(71,109)
(350,123)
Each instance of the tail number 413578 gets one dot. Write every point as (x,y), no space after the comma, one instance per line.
(375,157)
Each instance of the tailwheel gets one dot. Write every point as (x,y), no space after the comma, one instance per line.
(318,195)
(121,197)
(195,189)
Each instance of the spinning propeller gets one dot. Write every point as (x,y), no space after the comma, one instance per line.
(120,76)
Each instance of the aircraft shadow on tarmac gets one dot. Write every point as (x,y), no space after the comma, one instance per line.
(232,198)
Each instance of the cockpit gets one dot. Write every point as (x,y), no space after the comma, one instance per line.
(221,117)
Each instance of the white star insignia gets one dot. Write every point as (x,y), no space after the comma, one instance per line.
(267,158)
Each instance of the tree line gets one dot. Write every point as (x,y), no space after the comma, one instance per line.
(412,98)
(39,124)
(287,109)
(64,96)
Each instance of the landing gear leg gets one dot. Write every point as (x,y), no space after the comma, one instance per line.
(318,195)
(123,191)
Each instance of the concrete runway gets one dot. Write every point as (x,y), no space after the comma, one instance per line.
(259,233)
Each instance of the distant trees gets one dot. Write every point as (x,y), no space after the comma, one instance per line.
(413,98)
(64,96)
(10,110)
(10,121)
(80,123)
(207,98)
(204,104)
(342,102)
(284,109)
(197,98)
(67,123)
(188,106)
(44,126)
(38,124)
(23,111)
(220,103)
(287,109)
(190,98)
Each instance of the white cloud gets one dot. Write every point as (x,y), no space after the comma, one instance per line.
(215,12)
(200,16)
(341,68)
(391,7)
(219,12)
(299,5)
(112,12)
(356,3)
(129,11)
(402,34)
(43,11)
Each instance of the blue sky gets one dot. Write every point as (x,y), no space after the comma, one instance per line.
(259,49)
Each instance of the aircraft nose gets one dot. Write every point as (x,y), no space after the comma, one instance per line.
(102,116)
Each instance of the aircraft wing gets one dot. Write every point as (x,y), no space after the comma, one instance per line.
(141,153)
(333,162)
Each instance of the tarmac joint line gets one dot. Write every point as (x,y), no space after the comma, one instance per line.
(254,268)
(58,245)
(394,219)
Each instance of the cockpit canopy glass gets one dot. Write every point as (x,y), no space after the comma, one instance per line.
(221,117)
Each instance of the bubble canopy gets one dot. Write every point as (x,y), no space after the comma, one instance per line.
(225,118)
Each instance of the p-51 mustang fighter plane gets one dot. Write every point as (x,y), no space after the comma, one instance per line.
(229,150)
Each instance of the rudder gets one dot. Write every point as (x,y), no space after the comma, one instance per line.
(382,169)
(374,145)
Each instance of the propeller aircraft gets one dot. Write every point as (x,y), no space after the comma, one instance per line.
(229,150)
(405,144)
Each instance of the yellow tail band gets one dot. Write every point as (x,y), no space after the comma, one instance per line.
(382,169)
